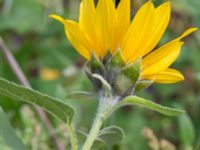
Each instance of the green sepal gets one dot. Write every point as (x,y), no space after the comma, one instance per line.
(95,82)
(114,66)
(107,57)
(117,59)
(132,71)
(143,84)
(127,78)
(122,85)
(96,65)
(105,85)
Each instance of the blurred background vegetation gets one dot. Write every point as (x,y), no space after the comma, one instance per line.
(53,67)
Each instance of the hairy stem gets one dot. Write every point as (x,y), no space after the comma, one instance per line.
(97,123)
(93,132)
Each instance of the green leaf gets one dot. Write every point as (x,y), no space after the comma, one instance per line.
(8,133)
(20,9)
(186,130)
(134,100)
(197,144)
(110,135)
(81,95)
(106,137)
(52,105)
(82,136)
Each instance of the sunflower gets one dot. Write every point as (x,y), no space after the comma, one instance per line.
(104,28)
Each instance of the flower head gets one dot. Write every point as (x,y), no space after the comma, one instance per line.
(105,28)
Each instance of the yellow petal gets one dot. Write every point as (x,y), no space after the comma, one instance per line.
(139,31)
(163,57)
(58,18)
(187,32)
(106,20)
(78,39)
(167,76)
(76,36)
(161,21)
(87,11)
(86,22)
(123,14)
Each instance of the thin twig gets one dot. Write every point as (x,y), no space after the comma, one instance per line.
(20,75)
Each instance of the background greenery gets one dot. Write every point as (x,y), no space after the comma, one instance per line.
(40,47)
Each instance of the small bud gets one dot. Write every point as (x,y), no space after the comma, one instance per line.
(123,79)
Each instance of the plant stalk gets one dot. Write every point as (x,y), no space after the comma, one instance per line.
(93,133)
(72,137)
(96,126)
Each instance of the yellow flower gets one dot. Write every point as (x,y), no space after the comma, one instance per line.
(105,28)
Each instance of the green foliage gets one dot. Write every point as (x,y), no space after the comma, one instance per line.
(18,11)
(82,95)
(56,107)
(8,133)
(107,137)
(186,131)
(110,135)
(134,100)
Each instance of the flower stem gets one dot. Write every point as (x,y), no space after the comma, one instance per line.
(72,137)
(93,133)
(96,126)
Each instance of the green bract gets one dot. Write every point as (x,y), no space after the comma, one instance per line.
(123,78)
